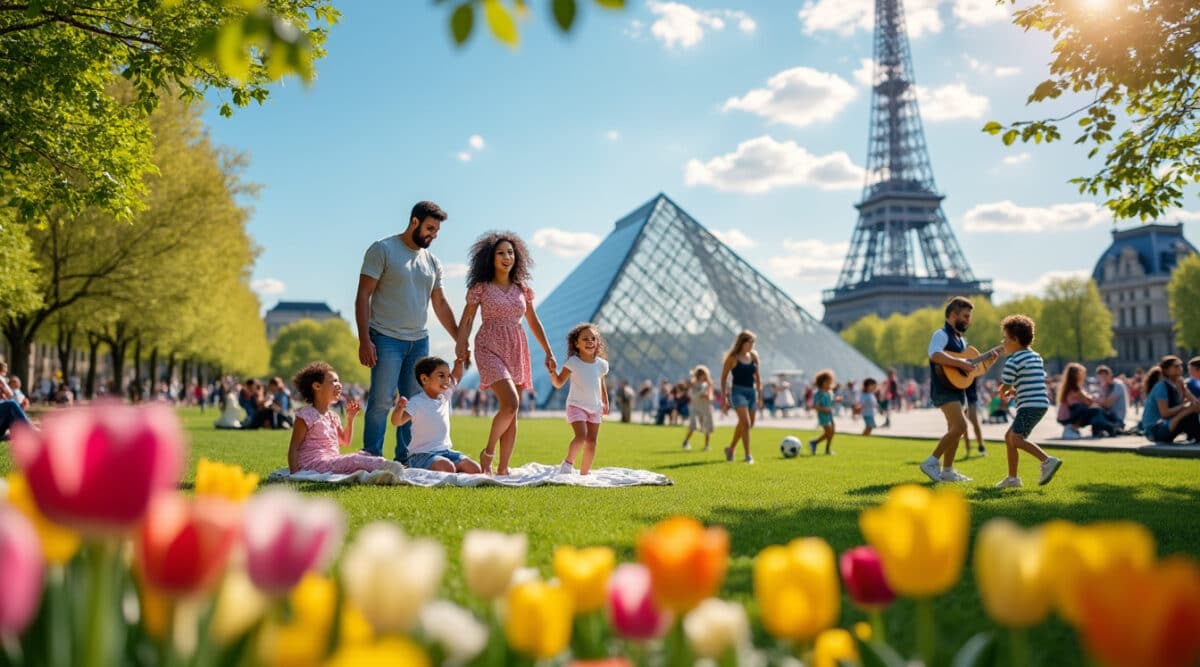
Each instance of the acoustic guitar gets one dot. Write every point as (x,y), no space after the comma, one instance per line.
(963,379)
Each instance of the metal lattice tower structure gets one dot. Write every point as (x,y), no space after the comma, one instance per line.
(903,253)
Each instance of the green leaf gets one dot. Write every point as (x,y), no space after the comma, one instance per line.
(461,22)
(500,22)
(1009,137)
(34,8)
(977,651)
(564,14)
(878,654)
(611,4)
(993,127)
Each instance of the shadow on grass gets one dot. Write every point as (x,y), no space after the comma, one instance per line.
(693,464)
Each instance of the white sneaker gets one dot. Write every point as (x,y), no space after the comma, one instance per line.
(566,468)
(952,475)
(1049,467)
(1071,434)
(1009,483)
(932,469)
(687,447)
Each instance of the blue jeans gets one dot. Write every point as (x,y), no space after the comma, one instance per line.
(395,362)
(10,413)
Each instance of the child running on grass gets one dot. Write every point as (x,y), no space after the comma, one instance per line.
(429,412)
(1024,378)
(318,433)
(823,404)
(701,418)
(587,400)
(869,405)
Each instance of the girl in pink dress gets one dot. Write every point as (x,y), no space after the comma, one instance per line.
(318,433)
(498,286)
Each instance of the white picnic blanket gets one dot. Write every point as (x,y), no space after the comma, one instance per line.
(530,474)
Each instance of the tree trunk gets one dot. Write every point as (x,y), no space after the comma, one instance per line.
(135,389)
(64,348)
(89,385)
(152,375)
(20,343)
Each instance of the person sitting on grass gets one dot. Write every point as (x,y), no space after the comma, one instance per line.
(429,412)
(823,403)
(318,431)
(1169,411)
(1024,379)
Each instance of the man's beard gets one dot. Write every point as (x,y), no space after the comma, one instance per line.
(961,327)
(418,240)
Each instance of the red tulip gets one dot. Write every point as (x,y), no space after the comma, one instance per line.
(96,468)
(631,608)
(183,544)
(21,568)
(862,573)
(286,536)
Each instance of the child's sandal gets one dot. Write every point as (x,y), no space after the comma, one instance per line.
(485,461)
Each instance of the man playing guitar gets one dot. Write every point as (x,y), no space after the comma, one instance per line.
(944,395)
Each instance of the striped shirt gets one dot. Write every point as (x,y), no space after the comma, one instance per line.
(1025,373)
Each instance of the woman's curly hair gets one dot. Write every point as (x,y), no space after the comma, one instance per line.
(483,259)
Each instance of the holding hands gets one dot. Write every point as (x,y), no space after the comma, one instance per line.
(551,363)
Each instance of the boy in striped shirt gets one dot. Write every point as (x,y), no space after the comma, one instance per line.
(1024,379)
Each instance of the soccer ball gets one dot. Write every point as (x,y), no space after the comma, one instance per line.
(790,447)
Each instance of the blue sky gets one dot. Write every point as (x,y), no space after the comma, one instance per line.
(750,115)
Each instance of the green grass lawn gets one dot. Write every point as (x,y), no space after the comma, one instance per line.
(767,503)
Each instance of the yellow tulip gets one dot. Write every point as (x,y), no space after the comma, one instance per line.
(155,611)
(797,588)
(834,646)
(391,651)
(224,481)
(1011,571)
(538,622)
(921,537)
(584,573)
(302,641)
(1081,556)
(239,606)
(59,544)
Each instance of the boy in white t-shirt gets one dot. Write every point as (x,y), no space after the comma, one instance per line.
(429,412)
(869,404)
(587,400)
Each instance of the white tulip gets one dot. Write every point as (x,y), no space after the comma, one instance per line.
(715,626)
(489,560)
(389,576)
(456,630)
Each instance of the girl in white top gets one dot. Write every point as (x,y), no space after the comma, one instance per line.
(701,417)
(587,401)
(429,412)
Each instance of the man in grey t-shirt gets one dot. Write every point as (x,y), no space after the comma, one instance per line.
(398,281)
(1114,396)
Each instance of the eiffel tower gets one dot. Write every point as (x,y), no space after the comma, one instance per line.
(903,254)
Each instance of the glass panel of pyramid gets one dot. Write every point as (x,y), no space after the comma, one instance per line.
(668,295)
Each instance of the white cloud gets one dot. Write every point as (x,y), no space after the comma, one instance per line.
(1005,216)
(1006,290)
(677,24)
(454,270)
(847,16)
(734,238)
(998,71)
(761,164)
(1016,159)
(612,135)
(476,142)
(268,286)
(799,97)
(865,74)
(979,12)
(635,30)
(950,102)
(564,243)
(463,155)
(810,260)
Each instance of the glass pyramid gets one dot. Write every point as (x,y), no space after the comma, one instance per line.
(667,295)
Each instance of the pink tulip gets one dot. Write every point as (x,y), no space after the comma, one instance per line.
(862,573)
(21,566)
(286,536)
(96,468)
(631,609)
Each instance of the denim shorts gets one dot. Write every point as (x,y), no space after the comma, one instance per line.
(869,421)
(1025,420)
(425,459)
(940,395)
(743,397)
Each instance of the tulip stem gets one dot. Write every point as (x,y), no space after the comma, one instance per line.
(98,651)
(1019,640)
(878,629)
(926,630)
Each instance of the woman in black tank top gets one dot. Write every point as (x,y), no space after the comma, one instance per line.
(745,394)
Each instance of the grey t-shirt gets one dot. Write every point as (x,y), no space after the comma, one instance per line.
(400,304)
(1121,405)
